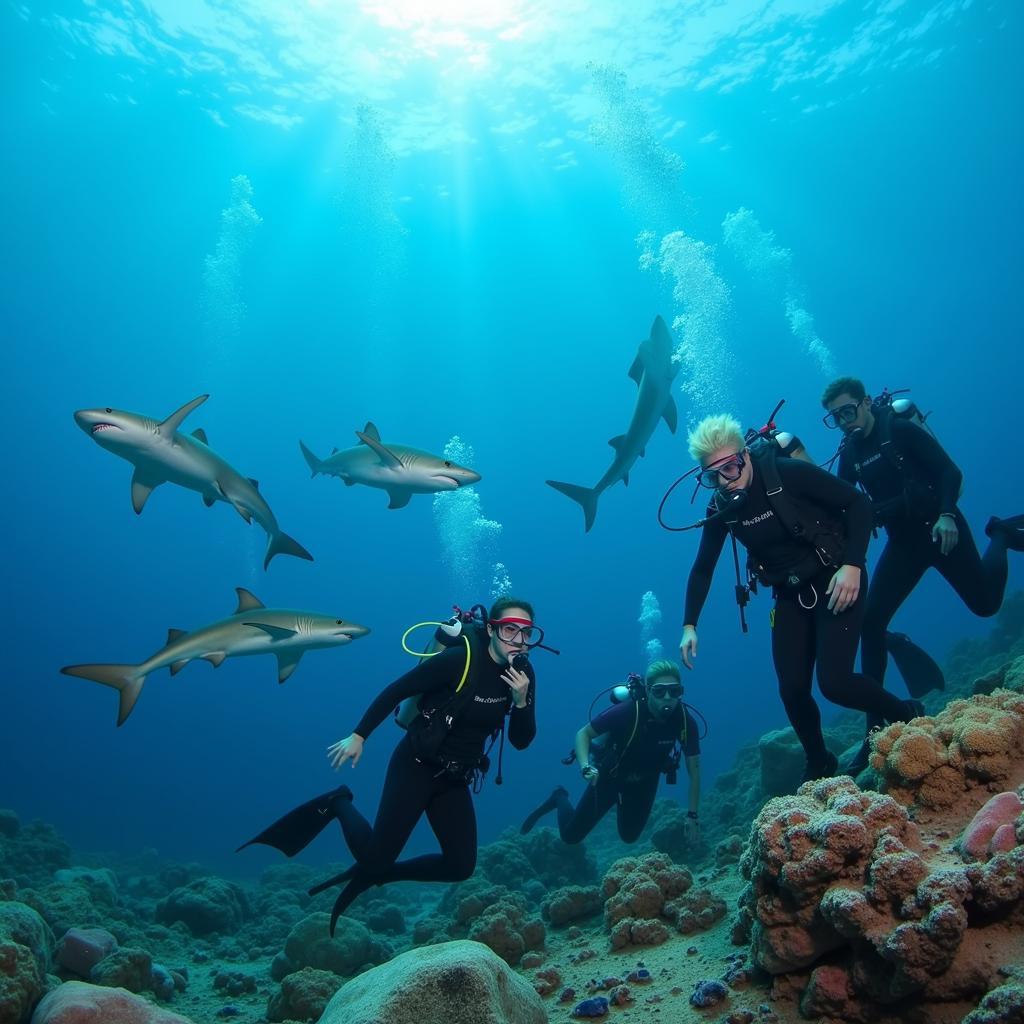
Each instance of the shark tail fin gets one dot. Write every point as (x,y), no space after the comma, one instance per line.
(315,464)
(281,544)
(585,496)
(123,678)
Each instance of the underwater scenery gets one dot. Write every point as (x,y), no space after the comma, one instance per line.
(513,512)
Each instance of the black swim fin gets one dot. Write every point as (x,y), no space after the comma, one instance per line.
(299,827)
(1011,530)
(919,669)
(545,808)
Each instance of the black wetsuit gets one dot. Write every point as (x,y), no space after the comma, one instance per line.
(907,500)
(805,632)
(630,766)
(440,790)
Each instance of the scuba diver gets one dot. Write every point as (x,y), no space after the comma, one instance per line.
(464,699)
(806,533)
(643,735)
(914,487)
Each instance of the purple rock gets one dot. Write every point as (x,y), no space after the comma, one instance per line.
(708,993)
(596,1006)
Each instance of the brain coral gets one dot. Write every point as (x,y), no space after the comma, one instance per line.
(934,762)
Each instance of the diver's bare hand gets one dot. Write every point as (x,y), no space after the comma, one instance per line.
(348,749)
(844,588)
(519,683)
(945,533)
(688,645)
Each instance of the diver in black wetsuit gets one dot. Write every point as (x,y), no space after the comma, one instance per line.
(913,486)
(434,764)
(641,736)
(807,541)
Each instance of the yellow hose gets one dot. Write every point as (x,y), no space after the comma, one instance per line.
(431,654)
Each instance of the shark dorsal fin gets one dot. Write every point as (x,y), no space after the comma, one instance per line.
(618,442)
(334,451)
(386,455)
(247,600)
(171,424)
(636,371)
(371,431)
(173,634)
(255,483)
(200,435)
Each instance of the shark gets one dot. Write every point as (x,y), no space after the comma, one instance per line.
(653,370)
(396,468)
(162,453)
(252,629)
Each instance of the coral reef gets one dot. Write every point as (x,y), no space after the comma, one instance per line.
(842,872)
(937,762)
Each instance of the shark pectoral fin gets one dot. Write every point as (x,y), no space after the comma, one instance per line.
(274,632)
(399,499)
(371,431)
(670,415)
(142,488)
(247,600)
(177,666)
(242,511)
(287,663)
(200,435)
(636,371)
(171,424)
(618,441)
(215,658)
(386,456)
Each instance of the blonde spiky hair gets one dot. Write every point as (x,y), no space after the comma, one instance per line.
(713,433)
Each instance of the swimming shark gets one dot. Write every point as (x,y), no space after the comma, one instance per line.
(396,468)
(161,453)
(253,629)
(653,370)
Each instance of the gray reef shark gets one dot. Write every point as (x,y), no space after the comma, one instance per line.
(396,468)
(253,629)
(160,454)
(653,370)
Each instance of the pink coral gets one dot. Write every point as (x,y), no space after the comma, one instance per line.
(1001,810)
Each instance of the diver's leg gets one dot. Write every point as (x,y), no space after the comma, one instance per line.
(836,639)
(635,802)
(574,825)
(793,655)
(899,569)
(979,582)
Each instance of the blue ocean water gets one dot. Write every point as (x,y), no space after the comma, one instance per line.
(457,222)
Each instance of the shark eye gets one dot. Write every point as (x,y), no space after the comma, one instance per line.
(108,409)
(447,464)
(339,622)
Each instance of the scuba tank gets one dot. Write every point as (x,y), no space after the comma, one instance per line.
(451,633)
